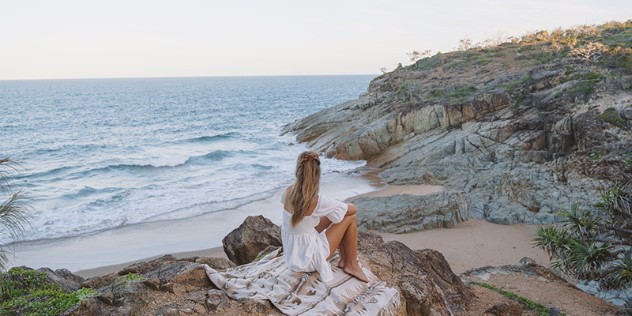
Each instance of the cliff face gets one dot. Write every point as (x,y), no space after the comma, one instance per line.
(514,132)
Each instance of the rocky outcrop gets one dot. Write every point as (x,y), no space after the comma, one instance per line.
(243,244)
(169,286)
(509,144)
(425,280)
(404,213)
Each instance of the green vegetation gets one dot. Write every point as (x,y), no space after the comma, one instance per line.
(583,89)
(610,115)
(429,62)
(133,276)
(539,308)
(452,95)
(409,90)
(12,213)
(458,94)
(437,93)
(28,292)
(595,244)
(583,82)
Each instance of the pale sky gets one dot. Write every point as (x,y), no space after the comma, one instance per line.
(156,38)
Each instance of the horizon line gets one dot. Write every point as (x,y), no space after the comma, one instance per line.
(185,77)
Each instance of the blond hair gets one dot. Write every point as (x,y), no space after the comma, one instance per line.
(299,195)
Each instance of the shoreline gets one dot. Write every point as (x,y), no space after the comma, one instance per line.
(134,243)
(468,245)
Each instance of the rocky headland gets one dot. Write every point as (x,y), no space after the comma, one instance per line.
(514,132)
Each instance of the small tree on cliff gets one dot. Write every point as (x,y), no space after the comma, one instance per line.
(12,214)
(594,245)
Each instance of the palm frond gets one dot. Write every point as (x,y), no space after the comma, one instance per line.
(13,218)
(622,275)
(586,257)
(13,215)
(551,239)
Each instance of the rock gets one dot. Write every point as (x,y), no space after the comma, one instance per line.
(99,281)
(126,293)
(425,280)
(405,213)
(555,312)
(152,283)
(180,272)
(90,307)
(64,279)
(216,301)
(216,263)
(168,310)
(243,244)
(505,309)
(145,266)
(256,307)
(107,298)
(627,113)
(66,274)
(507,155)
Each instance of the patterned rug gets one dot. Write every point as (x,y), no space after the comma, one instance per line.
(300,293)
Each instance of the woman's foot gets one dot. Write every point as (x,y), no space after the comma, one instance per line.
(341,264)
(356,271)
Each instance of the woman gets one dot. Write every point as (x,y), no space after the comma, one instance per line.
(315,226)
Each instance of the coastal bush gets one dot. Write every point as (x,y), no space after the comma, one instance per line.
(619,58)
(429,62)
(459,93)
(28,292)
(582,88)
(409,89)
(594,244)
(12,213)
(610,115)
(133,276)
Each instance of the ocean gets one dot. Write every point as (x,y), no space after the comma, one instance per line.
(99,154)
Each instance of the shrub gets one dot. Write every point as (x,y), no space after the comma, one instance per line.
(429,62)
(133,276)
(596,244)
(610,115)
(28,292)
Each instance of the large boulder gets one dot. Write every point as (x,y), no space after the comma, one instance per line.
(255,234)
(424,278)
(66,280)
(406,213)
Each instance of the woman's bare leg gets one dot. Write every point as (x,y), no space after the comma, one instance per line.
(346,233)
(324,223)
(343,255)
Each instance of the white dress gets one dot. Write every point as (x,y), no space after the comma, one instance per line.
(304,248)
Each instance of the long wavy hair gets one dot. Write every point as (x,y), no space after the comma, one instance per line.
(300,194)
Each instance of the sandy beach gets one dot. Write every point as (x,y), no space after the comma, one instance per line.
(470,244)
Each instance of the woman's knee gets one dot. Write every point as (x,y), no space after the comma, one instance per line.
(351,218)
